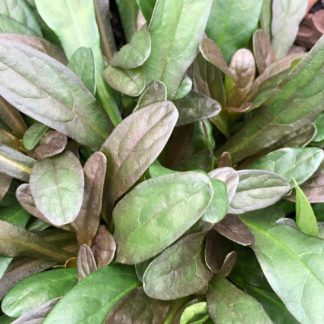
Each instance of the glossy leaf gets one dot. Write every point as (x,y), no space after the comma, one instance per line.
(82,64)
(288,109)
(195,313)
(91,300)
(16,241)
(231,28)
(30,293)
(217,209)
(103,247)
(154,92)
(57,185)
(291,262)
(305,217)
(196,106)
(33,135)
(297,163)
(21,15)
(172,203)
(135,53)
(136,143)
(38,314)
(47,91)
(168,275)
(15,164)
(87,222)
(138,308)
(128,82)
(86,262)
(256,190)
(228,304)
(286,17)
(171,56)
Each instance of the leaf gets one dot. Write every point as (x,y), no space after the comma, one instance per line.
(57,186)
(103,247)
(137,308)
(38,314)
(305,217)
(52,143)
(157,169)
(217,209)
(82,64)
(235,230)
(195,313)
(262,49)
(15,241)
(196,106)
(172,204)
(5,182)
(30,293)
(136,143)
(231,28)
(147,7)
(230,177)
(228,304)
(134,54)
(184,88)
(86,262)
(297,163)
(297,103)
(286,17)
(87,222)
(20,14)
(47,91)
(292,262)
(10,25)
(319,123)
(15,164)
(33,135)
(256,190)
(91,300)
(37,43)
(128,10)
(128,82)
(154,92)
(168,275)
(185,21)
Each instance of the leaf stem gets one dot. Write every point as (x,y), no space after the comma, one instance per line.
(108,102)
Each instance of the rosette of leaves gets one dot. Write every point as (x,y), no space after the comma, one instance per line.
(169,180)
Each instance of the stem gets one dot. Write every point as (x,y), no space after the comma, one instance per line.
(176,306)
(108,102)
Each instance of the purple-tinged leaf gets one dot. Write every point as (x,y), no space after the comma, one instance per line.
(86,262)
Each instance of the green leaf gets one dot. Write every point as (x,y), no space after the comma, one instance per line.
(128,82)
(135,53)
(305,217)
(10,25)
(228,304)
(196,106)
(15,164)
(16,241)
(33,135)
(147,7)
(157,169)
(176,30)
(231,27)
(154,92)
(297,103)
(138,308)
(286,17)
(30,293)
(91,300)
(20,13)
(257,189)
(297,163)
(157,212)
(136,143)
(168,275)
(217,209)
(184,88)
(82,64)
(57,186)
(195,313)
(128,10)
(47,91)
(319,123)
(292,262)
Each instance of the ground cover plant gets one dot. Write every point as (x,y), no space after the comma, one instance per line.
(161,161)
